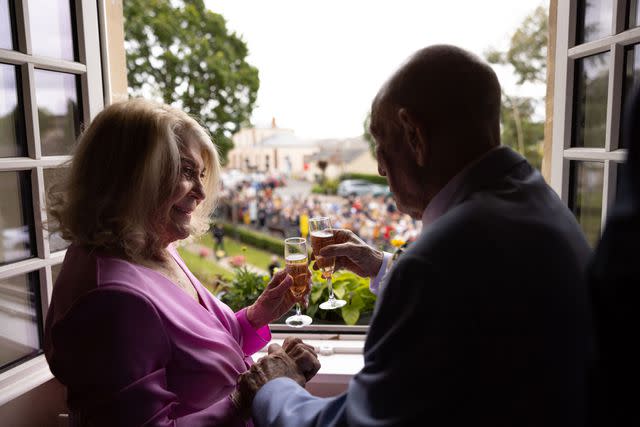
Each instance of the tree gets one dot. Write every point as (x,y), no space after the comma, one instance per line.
(527,56)
(182,53)
(322,165)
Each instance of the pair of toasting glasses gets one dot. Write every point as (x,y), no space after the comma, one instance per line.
(297,261)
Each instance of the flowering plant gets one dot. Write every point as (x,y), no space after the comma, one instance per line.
(237,260)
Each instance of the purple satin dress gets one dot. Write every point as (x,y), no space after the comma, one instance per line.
(134,349)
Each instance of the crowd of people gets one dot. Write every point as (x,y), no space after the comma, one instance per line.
(375,219)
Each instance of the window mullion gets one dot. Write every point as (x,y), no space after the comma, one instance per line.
(88,38)
(40,216)
(614,95)
(563,99)
(22,27)
(32,122)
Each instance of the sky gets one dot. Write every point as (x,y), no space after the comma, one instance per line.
(321,62)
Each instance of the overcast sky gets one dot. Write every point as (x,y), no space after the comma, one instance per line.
(322,62)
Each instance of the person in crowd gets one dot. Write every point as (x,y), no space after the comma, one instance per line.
(275,263)
(133,335)
(614,276)
(218,238)
(485,319)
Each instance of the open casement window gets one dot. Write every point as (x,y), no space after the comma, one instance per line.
(596,65)
(50,86)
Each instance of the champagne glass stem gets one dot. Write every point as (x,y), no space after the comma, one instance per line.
(330,286)
(297,309)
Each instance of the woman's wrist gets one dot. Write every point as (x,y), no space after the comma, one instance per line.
(253,319)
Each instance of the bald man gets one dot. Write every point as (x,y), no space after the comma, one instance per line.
(484,321)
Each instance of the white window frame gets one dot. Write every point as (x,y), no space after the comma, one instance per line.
(567,52)
(35,371)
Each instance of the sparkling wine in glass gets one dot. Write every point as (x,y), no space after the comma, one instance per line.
(296,262)
(321,236)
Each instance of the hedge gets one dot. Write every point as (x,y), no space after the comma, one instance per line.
(255,238)
(376,179)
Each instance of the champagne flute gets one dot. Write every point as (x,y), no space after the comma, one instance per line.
(321,236)
(296,261)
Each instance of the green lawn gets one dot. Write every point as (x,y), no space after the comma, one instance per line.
(205,270)
(254,256)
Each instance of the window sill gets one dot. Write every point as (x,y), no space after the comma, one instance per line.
(23,378)
(340,358)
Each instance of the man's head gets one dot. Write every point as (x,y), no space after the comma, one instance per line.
(436,114)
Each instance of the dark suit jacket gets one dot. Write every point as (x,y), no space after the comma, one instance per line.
(484,321)
(614,276)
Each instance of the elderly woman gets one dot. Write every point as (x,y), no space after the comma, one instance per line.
(130,331)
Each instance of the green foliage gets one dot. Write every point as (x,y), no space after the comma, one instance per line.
(241,288)
(210,274)
(532,131)
(527,56)
(527,53)
(184,54)
(244,289)
(254,238)
(348,286)
(376,179)
(329,186)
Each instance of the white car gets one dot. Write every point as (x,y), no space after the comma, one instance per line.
(358,187)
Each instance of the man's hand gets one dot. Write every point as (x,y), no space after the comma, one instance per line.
(353,254)
(295,360)
(275,300)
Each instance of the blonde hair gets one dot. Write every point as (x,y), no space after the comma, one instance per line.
(122,173)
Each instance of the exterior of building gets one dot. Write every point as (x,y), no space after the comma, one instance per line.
(278,150)
(350,155)
(273,149)
(58,71)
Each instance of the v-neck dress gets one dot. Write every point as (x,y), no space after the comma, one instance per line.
(134,349)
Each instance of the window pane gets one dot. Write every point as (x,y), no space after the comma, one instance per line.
(58,112)
(52,28)
(590,108)
(633,13)
(20,334)
(585,196)
(17,240)
(51,178)
(12,137)
(631,79)
(6,35)
(594,20)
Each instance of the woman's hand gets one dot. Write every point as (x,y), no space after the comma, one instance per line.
(275,300)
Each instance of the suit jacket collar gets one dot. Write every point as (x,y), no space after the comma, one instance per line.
(487,169)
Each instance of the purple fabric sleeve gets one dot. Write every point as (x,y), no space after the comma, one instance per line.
(252,339)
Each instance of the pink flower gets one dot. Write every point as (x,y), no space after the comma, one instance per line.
(204,252)
(237,260)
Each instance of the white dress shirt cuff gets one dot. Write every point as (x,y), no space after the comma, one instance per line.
(374,284)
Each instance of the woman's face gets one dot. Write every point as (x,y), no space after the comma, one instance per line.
(187,194)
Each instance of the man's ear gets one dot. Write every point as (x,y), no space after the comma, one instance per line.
(414,136)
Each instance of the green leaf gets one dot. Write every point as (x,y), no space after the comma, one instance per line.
(350,314)
(317,291)
(339,289)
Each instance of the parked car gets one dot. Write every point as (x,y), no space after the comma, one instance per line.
(358,187)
